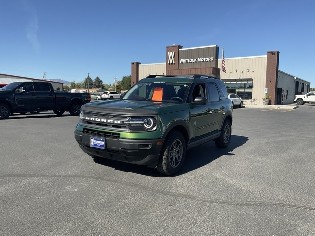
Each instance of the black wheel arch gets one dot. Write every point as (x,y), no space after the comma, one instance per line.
(7,104)
(181,127)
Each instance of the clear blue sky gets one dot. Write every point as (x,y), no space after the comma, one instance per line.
(69,38)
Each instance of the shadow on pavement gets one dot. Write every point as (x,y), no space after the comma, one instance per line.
(36,116)
(196,158)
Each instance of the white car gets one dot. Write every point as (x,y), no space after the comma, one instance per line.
(110,95)
(236,100)
(305,98)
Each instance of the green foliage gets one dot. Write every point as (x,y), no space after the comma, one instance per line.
(98,83)
(72,85)
(88,83)
(125,83)
(66,88)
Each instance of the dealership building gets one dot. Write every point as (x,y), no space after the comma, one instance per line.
(7,79)
(253,78)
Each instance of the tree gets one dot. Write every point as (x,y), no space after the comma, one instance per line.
(98,83)
(125,83)
(88,82)
(72,85)
(66,88)
(106,86)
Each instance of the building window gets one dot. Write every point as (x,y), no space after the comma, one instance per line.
(242,87)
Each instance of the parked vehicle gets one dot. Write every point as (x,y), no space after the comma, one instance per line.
(110,95)
(22,97)
(236,100)
(156,121)
(96,96)
(305,98)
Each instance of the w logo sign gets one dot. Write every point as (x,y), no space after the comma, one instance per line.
(171,58)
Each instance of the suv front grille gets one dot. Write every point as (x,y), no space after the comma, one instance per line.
(108,120)
(101,133)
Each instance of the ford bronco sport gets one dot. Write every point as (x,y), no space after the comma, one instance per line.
(156,121)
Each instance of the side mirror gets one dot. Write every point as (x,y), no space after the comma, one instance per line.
(200,100)
(19,90)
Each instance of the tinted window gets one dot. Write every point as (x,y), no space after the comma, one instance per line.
(213,95)
(42,87)
(27,87)
(198,91)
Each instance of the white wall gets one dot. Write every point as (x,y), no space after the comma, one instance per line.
(247,67)
(151,69)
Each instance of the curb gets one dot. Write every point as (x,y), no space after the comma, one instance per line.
(286,107)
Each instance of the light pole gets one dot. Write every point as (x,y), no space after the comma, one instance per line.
(115,84)
(87,80)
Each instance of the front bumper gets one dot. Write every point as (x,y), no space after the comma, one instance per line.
(141,152)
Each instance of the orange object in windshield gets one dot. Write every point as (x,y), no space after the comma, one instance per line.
(157,94)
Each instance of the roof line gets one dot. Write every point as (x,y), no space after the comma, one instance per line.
(23,77)
(198,47)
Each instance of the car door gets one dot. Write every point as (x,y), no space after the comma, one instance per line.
(25,97)
(200,115)
(311,97)
(215,107)
(45,98)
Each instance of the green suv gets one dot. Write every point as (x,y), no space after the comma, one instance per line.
(156,121)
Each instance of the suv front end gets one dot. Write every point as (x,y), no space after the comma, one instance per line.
(130,137)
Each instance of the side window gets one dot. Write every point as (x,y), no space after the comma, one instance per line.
(28,87)
(198,91)
(42,87)
(213,95)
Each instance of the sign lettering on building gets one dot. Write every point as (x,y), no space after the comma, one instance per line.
(195,60)
(171,58)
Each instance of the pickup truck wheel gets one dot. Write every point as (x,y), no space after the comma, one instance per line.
(241,105)
(4,111)
(300,101)
(58,112)
(173,154)
(75,109)
(225,136)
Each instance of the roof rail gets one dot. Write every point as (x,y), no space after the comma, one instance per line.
(154,76)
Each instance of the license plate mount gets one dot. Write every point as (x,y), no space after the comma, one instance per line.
(97,142)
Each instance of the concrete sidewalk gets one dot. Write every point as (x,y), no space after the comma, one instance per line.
(287,107)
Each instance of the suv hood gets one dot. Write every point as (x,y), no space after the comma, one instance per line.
(130,106)
(5,92)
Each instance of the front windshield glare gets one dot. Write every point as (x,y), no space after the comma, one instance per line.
(11,86)
(158,92)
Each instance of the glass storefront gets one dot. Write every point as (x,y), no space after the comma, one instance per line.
(241,87)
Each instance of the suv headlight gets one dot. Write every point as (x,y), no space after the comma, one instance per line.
(81,115)
(141,123)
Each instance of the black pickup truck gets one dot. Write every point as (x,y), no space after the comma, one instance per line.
(33,97)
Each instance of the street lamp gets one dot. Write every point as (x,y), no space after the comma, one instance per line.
(115,84)
(87,80)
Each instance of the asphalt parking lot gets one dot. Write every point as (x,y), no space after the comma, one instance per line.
(263,184)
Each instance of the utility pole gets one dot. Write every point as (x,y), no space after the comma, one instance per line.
(115,84)
(87,80)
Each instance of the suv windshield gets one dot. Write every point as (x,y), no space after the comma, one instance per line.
(158,92)
(11,86)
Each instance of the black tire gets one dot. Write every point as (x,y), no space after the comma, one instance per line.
(300,101)
(74,109)
(59,112)
(173,154)
(241,104)
(225,136)
(5,111)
